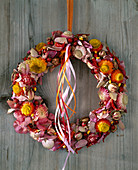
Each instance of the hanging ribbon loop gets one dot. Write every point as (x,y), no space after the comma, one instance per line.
(69,14)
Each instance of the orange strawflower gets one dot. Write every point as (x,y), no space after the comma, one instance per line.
(103,125)
(106,66)
(27,108)
(117,76)
(17,89)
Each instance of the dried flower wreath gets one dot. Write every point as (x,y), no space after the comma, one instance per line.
(55,131)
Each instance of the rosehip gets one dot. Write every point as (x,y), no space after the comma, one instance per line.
(92,71)
(75,39)
(121,89)
(48,42)
(36,102)
(83,124)
(96,70)
(116,122)
(51,42)
(48,59)
(75,43)
(70,40)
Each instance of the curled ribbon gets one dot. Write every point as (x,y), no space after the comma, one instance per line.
(63,99)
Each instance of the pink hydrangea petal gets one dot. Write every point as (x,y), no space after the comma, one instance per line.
(27,121)
(17,114)
(41,127)
(18,128)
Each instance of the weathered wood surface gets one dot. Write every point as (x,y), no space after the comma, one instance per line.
(26,22)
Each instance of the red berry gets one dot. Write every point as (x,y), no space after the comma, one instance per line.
(36,102)
(96,70)
(112,127)
(83,124)
(48,59)
(75,39)
(85,134)
(25,58)
(48,42)
(70,40)
(121,89)
(92,71)
(51,42)
(75,43)
(116,122)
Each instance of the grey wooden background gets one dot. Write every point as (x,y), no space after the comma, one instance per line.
(24,23)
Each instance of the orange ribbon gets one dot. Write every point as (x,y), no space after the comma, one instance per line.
(69,14)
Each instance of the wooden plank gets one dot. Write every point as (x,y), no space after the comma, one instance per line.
(27,22)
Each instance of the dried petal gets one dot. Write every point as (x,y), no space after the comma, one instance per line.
(30,95)
(82,129)
(81,143)
(67,34)
(10,111)
(78,136)
(112,87)
(121,125)
(122,100)
(91,126)
(61,40)
(116,115)
(33,52)
(113,96)
(48,144)
(79,52)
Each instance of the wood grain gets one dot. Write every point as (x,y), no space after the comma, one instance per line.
(24,23)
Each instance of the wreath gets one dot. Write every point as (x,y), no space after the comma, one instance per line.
(55,131)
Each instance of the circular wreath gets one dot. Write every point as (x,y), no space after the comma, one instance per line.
(54,131)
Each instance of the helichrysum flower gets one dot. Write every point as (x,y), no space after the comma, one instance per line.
(17,89)
(106,66)
(27,108)
(37,65)
(117,76)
